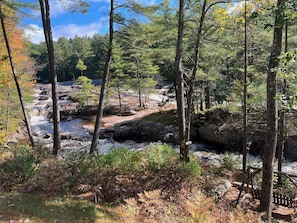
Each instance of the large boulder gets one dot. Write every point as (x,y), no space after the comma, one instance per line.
(291,147)
(224,130)
(227,136)
(145,132)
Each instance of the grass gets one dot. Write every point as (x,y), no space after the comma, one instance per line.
(16,206)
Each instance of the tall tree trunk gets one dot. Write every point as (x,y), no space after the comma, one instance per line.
(272,110)
(119,95)
(281,141)
(195,68)
(26,119)
(104,82)
(45,15)
(180,91)
(244,107)
(139,92)
(207,96)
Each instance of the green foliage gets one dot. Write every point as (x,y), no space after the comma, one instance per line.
(121,159)
(118,160)
(160,155)
(86,87)
(75,6)
(192,169)
(21,166)
(80,66)
(228,162)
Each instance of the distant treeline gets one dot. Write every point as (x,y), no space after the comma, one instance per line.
(68,52)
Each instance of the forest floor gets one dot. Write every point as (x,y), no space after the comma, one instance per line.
(162,195)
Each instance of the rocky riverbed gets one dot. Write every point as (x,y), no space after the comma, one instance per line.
(220,129)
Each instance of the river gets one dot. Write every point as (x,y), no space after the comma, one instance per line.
(43,130)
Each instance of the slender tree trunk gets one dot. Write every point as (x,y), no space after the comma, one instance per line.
(26,119)
(282,118)
(244,107)
(180,91)
(119,96)
(104,82)
(139,91)
(7,113)
(272,110)
(45,15)
(195,68)
(207,96)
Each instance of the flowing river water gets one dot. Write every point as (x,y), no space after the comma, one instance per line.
(43,129)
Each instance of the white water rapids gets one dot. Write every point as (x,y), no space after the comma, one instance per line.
(43,129)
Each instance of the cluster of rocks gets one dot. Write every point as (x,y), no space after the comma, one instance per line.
(142,131)
(224,130)
(218,127)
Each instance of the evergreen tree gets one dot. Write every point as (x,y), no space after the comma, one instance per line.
(118,76)
(81,66)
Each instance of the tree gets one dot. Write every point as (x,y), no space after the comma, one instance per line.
(104,81)
(26,119)
(118,77)
(272,110)
(45,15)
(86,87)
(200,31)
(65,61)
(180,97)
(142,72)
(81,66)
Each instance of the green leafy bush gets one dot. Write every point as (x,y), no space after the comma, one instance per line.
(160,155)
(21,166)
(228,162)
(121,159)
(192,169)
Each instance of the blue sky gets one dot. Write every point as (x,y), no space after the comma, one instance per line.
(68,24)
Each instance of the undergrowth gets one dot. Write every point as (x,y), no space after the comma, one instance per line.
(129,186)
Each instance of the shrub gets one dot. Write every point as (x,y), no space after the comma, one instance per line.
(228,162)
(21,166)
(121,159)
(160,155)
(192,169)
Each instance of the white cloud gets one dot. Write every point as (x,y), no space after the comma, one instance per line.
(35,33)
(70,30)
(56,8)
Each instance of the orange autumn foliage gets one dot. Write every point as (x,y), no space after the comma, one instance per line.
(10,110)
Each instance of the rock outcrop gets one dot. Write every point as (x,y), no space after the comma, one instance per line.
(145,131)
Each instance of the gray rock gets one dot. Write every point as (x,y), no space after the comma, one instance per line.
(291,147)
(222,188)
(146,132)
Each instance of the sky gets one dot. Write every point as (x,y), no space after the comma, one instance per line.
(67,24)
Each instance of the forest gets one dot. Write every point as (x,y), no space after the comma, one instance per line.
(240,55)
